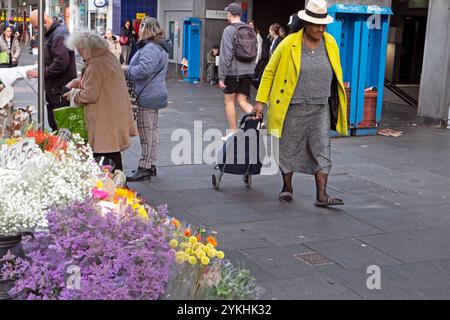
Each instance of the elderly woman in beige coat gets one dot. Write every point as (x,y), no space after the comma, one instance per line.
(103,91)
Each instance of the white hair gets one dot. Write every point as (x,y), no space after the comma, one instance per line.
(87,41)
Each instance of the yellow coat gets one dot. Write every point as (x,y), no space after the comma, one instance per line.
(280,79)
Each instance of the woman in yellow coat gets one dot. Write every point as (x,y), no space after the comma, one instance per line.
(303,87)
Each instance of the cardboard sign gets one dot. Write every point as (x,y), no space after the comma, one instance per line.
(17,155)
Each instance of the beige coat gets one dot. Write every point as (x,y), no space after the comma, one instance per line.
(108,113)
(15,48)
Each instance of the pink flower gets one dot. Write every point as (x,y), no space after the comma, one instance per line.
(99,194)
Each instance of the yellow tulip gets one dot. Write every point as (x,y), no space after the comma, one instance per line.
(188,251)
(183,246)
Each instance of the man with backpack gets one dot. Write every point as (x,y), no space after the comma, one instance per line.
(238,51)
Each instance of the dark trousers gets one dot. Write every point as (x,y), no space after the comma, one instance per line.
(54,101)
(114,156)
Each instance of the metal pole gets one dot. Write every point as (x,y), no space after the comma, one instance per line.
(41,81)
(30,26)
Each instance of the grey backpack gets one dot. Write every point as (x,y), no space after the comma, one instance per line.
(245,43)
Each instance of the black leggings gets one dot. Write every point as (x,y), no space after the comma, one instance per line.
(114,156)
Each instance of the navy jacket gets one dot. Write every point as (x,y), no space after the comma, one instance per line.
(59,61)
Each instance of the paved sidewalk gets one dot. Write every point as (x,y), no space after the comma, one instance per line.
(397,213)
(397,216)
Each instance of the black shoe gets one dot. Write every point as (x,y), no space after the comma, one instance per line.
(153,171)
(140,174)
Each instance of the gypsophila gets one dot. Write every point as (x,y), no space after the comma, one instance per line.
(46,181)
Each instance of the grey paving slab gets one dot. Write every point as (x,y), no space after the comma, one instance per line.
(423,280)
(175,199)
(311,287)
(217,214)
(352,253)
(279,262)
(239,259)
(415,245)
(235,238)
(317,227)
(402,219)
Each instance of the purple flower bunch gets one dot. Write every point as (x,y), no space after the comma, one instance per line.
(86,256)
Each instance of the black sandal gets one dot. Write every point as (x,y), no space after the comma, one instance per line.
(286,196)
(331,201)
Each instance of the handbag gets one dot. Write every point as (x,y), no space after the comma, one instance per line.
(72,119)
(124,40)
(4,58)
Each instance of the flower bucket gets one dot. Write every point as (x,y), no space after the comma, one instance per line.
(6,243)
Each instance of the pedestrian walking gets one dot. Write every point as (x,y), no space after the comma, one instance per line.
(275,34)
(294,24)
(9,49)
(147,72)
(211,71)
(59,63)
(259,40)
(113,44)
(304,87)
(127,40)
(238,52)
(103,92)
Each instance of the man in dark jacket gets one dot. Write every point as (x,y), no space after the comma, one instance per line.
(59,64)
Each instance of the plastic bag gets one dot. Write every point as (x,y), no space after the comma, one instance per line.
(72,119)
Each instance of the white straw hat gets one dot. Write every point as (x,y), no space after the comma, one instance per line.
(316,12)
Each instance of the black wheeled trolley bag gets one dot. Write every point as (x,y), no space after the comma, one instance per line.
(242,153)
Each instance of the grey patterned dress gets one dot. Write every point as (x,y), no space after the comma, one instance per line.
(305,145)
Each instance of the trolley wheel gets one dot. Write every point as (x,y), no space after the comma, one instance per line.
(248,180)
(216,181)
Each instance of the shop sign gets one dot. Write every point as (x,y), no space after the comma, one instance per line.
(17,155)
(216,14)
(140,16)
(100,3)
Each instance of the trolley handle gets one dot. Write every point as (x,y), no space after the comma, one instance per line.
(250,114)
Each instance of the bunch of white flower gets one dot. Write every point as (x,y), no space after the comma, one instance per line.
(45,182)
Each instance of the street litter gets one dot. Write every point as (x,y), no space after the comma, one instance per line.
(390,133)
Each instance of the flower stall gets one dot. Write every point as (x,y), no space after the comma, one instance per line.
(71,229)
